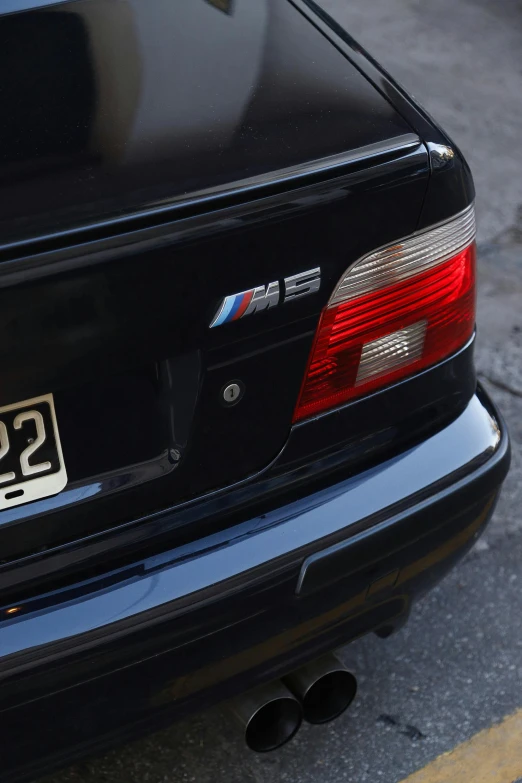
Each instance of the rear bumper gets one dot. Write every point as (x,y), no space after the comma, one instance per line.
(179,631)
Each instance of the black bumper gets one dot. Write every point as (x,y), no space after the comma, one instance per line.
(184,629)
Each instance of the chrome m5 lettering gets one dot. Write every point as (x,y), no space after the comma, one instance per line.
(237,306)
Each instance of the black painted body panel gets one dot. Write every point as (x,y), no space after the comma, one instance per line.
(132,106)
(155,157)
(451,185)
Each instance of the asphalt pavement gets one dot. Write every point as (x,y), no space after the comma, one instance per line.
(456,668)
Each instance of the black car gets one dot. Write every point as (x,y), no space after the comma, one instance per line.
(239,419)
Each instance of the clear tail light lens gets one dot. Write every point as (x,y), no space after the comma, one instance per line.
(394,312)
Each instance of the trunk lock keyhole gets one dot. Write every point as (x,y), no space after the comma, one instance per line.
(232,392)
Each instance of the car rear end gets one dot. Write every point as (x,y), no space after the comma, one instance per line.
(239,419)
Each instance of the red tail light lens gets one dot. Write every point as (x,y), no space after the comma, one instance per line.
(395,312)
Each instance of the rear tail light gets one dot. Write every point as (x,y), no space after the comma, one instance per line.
(394,312)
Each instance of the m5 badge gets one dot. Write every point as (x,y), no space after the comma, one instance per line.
(237,306)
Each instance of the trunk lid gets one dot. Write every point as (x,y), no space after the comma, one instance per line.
(177,154)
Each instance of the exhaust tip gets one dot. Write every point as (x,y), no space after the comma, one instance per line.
(269,716)
(324,687)
(329,696)
(273,725)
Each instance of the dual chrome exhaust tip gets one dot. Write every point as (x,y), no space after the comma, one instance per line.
(272,714)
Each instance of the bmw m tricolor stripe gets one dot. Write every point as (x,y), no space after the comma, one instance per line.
(232,307)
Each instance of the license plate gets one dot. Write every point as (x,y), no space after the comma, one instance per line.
(31,459)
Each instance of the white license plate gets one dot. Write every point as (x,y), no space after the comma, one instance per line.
(31,459)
